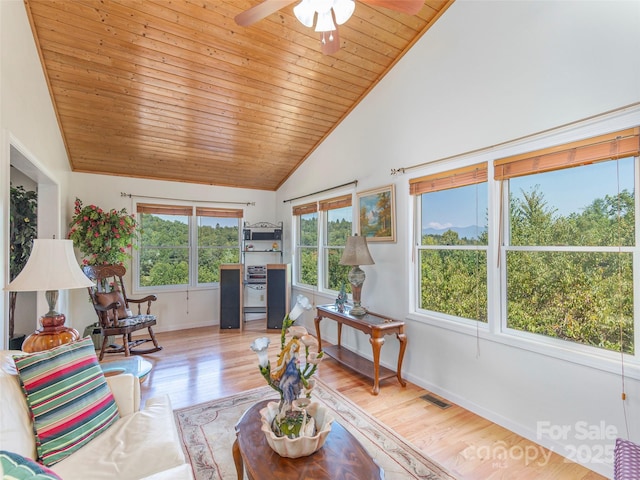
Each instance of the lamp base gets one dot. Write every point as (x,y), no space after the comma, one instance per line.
(357,310)
(52,334)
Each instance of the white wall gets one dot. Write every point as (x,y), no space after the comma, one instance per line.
(488,72)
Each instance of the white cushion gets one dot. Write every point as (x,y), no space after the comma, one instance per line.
(126,391)
(183,472)
(136,446)
(16,428)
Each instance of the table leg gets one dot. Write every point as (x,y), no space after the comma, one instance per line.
(402,338)
(237,459)
(376,344)
(339,333)
(317,322)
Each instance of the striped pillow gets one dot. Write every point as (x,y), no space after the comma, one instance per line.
(68,396)
(17,467)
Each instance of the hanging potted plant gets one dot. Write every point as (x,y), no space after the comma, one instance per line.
(23,229)
(102,237)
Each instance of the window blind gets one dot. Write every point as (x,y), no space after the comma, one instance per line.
(159,209)
(337,202)
(458,177)
(219,212)
(306,208)
(625,143)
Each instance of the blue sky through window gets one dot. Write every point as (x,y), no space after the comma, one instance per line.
(568,191)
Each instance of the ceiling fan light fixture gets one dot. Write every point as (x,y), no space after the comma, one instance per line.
(343,9)
(325,22)
(305,12)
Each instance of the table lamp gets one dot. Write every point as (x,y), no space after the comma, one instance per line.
(356,253)
(52,266)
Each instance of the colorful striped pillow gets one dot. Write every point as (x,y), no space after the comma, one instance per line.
(17,467)
(68,396)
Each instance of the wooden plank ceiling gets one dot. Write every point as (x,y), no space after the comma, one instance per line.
(175,90)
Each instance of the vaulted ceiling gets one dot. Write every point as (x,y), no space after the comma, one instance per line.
(176,90)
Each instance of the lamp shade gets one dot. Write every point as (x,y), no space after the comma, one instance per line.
(356,252)
(52,265)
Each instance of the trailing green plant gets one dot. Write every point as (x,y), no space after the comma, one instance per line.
(103,237)
(23,216)
(23,220)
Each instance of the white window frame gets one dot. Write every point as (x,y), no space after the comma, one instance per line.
(193,253)
(322,248)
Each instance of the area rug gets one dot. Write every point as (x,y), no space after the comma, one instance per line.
(207,432)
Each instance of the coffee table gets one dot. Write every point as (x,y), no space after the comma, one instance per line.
(342,456)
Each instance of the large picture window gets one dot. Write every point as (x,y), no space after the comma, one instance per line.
(570,243)
(184,246)
(452,242)
(565,248)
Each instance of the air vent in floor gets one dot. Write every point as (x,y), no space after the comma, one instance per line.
(436,401)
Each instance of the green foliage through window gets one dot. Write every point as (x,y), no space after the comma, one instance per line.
(166,248)
(568,254)
(307,250)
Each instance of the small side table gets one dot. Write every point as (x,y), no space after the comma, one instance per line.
(137,366)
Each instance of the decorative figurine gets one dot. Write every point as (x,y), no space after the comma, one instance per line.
(291,376)
(342,299)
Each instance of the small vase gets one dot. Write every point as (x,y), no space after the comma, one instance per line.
(301,446)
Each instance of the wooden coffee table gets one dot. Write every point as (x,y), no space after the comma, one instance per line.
(342,456)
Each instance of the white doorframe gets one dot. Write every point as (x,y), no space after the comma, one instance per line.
(14,153)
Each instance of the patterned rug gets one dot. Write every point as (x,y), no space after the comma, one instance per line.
(207,432)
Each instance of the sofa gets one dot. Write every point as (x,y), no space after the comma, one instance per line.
(141,444)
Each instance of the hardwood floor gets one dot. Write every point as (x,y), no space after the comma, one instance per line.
(202,364)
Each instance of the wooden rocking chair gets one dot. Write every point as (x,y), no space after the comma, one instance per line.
(111,304)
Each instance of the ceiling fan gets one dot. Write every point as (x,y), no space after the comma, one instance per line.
(327,12)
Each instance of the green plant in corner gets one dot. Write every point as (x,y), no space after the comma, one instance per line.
(23,229)
(103,237)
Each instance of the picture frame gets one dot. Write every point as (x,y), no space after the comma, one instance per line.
(376,218)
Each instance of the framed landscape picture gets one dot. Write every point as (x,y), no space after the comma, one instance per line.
(377,214)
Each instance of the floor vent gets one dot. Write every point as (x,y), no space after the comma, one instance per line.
(436,401)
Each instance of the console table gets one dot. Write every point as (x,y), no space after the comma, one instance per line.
(376,326)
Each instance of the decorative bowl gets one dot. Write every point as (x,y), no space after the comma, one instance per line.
(301,446)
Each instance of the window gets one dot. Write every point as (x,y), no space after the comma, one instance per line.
(338,221)
(571,242)
(307,244)
(452,242)
(318,251)
(185,245)
(565,248)
(218,234)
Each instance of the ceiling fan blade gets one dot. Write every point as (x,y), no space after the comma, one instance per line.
(404,6)
(329,47)
(260,11)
